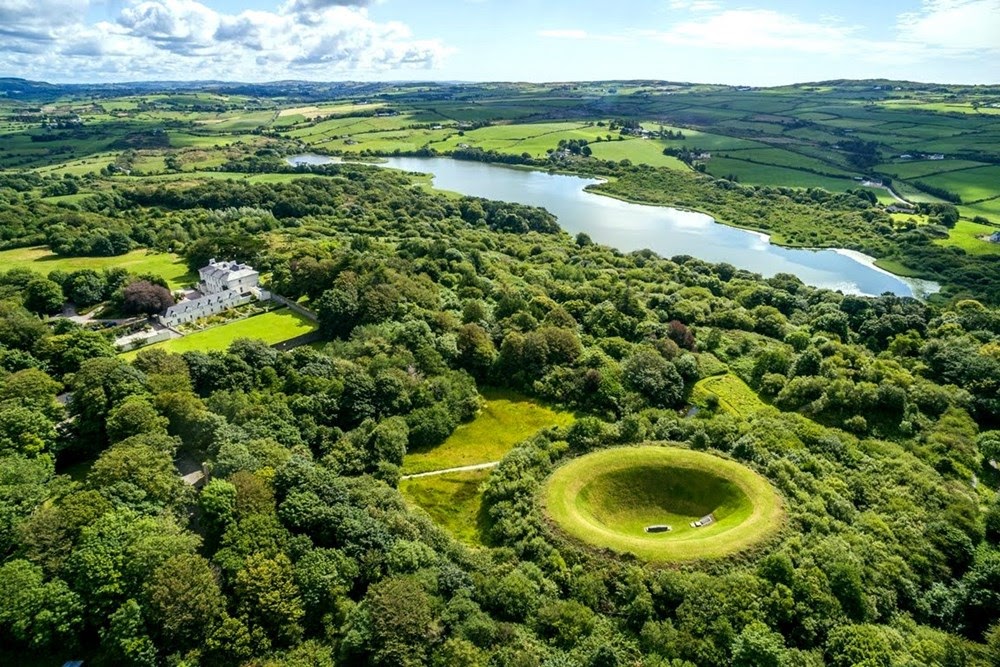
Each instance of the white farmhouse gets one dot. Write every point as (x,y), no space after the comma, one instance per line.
(223,285)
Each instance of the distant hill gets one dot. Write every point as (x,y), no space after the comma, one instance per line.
(42,91)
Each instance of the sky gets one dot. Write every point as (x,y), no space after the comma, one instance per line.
(748,42)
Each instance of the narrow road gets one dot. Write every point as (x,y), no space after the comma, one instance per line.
(477,466)
(896,196)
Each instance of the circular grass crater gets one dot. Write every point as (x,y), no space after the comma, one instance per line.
(609,498)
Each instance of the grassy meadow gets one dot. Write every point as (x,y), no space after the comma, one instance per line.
(39,258)
(733,394)
(969,237)
(506,419)
(453,500)
(971,185)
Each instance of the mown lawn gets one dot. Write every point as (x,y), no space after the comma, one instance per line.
(272,327)
(39,258)
(505,420)
(453,500)
(607,498)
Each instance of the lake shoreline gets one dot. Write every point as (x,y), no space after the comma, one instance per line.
(920,284)
(853,253)
(679,234)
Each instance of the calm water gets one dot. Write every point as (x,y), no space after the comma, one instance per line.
(310,159)
(664,230)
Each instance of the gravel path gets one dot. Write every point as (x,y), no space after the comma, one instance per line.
(477,466)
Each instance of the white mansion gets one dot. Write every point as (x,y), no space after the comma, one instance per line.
(223,285)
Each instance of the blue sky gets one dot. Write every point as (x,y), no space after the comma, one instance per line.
(753,42)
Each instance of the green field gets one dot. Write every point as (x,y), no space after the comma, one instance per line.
(780,157)
(970,184)
(646,151)
(921,168)
(767,174)
(39,258)
(453,500)
(506,419)
(968,236)
(607,498)
(272,327)
(734,395)
(990,209)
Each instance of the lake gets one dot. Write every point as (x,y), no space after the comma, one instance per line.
(309,159)
(666,231)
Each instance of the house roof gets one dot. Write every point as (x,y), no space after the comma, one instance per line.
(226,270)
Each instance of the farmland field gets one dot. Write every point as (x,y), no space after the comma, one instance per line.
(764,174)
(969,237)
(970,184)
(785,158)
(39,258)
(920,168)
(645,151)
(990,209)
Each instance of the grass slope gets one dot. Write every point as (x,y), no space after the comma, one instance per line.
(272,327)
(606,498)
(734,395)
(643,151)
(39,258)
(969,237)
(970,184)
(453,500)
(505,420)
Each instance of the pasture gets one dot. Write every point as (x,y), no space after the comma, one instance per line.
(606,499)
(645,151)
(921,168)
(168,266)
(768,174)
(969,237)
(506,419)
(971,185)
(988,208)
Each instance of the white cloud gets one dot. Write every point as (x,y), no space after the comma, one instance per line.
(694,5)
(741,29)
(564,34)
(186,39)
(39,19)
(961,25)
(180,26)
(941,29)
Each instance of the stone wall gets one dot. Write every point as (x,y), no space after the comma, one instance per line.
(300,309)
(158,337)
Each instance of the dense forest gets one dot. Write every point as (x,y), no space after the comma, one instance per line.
(879,431)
